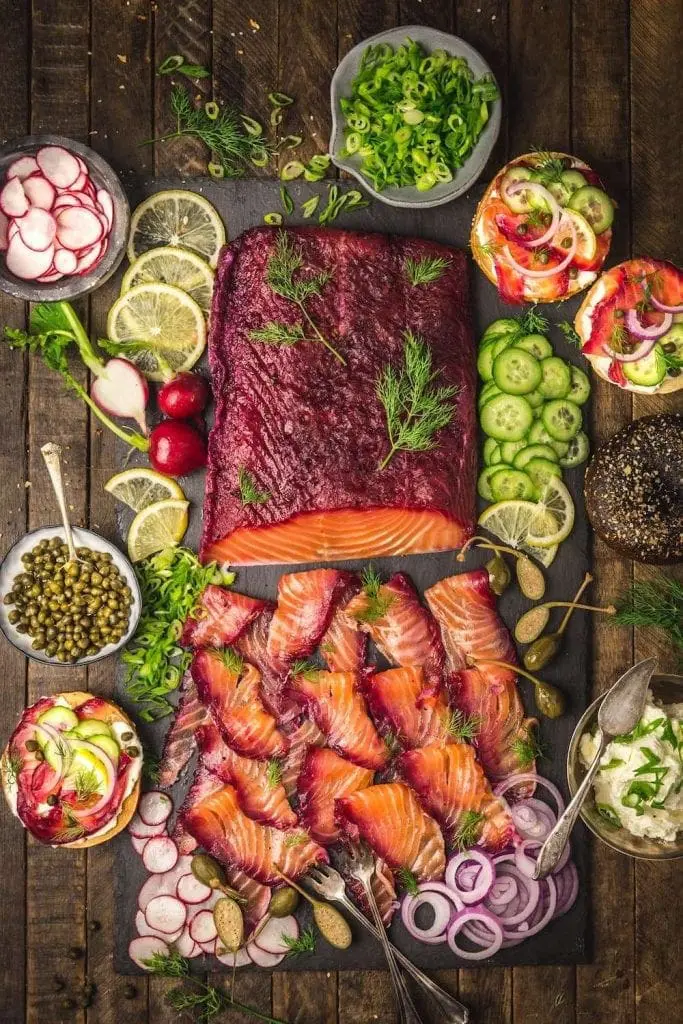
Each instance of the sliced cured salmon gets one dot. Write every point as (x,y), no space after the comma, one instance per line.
(324,777)
(180,742)
(391,821)
(229,688)
(305,602)
(259,789)
(307,734)
(311,429)
(220,617)
(384,890)
(227,833)
(339,710)
(252,645)
(204,783)
(452,787)
(343,647)
(465,608)
(401,628)
(393,697)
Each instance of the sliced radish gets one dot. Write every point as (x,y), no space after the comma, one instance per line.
(142,950)
(82,164)
(160,855)
(202,927)
(122,391)
(92,256)
(162,885)
(138,844)
(261,958)
(270,938)
(144,929)
(166,914)
(66,199)
(22,168)
(208,947)
(140,830)
(37,229)
(49,279)
(155,807)
(27,263)
(107,204)
(66,261)
(39,191)
(4,225)
(12,230)
(191,890)
(79,183)
(240,959)
(58,165)
(78,227)
(185,944)
(13,201)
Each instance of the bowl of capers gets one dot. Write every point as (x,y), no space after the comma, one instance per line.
(67,612)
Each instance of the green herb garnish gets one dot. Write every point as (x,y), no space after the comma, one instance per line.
(468,831)
(549,168)
(177,63)
(233,661)
(426,270)
(86,784)
(407,880)
(415,408)
(527,749)
(614,762)
(609,815)
(485,250)
(286,200)
(295,839)
(657,603)
(71,831)
(12,765)
(570,333)
(151,768)
(249,494)
(278,334)
(305,943)
(461,726)
(306,669)
(378,603)
(273,773)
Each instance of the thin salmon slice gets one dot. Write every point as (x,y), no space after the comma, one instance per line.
(229,688)
(391,821)
(452,787)
(204,783)
(406,633)
(338,535)
(340,712)
(180,742)
(220,617)
(465,608)
(324,777)
(227,833)
(253,647)
(384,889)
(343,647)
(305,602)
(393,697)
(307,734)
(259,789)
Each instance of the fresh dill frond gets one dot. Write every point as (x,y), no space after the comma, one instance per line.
(249,493)
(295,839)
(206,1003)
(279,334)
(12,765)
(485,250)
(461,726)
(570,333)
(407,881)
(391,743)
(305,943)
(151,767)
(71,830)
(619,338)
(168,965)
(307,669)
(550,167)
(533,322)
(233,661)
(468,831)
(426,270)
(378,600)
(658,603)
(527,750)
(86,784)
(273,773)
(415,407)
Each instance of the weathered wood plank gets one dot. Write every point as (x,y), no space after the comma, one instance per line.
(484,24)
(435,13)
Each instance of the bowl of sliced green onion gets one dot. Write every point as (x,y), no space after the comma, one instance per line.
(415,115)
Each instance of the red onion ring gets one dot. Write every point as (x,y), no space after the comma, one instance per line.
(436,931)
(489,946)
(639,352)
(56,736)
(536,922)
(536,189)
(482,882)
(664,308)
(502,892)
(549,271)
(527,864)
(532,818)
(567,884)
(651,333)
(521,777)
(528,895)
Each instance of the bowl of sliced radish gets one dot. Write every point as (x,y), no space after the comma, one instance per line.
(64,219)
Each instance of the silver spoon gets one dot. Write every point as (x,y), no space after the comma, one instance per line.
(619,713)
(51,453)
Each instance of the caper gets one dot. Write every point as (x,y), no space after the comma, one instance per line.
(13,617)
(125,736)
(207,870)
(133,751)
(549,700)
(62,655)
(51,650)
(91,650)
(21,627)
(52,800)
(283,902)
(8,598)
(499,574)
(32,745)
(540,652)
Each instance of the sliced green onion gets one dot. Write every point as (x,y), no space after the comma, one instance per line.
(274,219)
(286,200)
(320,162)
(310,206)
(290,142)
(212,110)
(171,64)
(275,116)
(259,158)
(252,127)
(216,170)
(294,169)
(280,99)
(311,175)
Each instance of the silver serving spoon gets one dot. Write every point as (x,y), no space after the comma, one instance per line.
(51,453)
(619,713)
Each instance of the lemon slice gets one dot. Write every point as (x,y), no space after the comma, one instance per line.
(165,328)
(176,217)
(510,521)
(160,525)
(555,516)
(140,487)
(586,242)
(172,265)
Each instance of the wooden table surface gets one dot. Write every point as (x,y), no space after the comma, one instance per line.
(587,76)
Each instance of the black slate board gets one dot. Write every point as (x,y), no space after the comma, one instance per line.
(242,204)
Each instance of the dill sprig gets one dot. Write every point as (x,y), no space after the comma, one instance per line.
(168,965)
(461,726)
(378,602)
(391,743)
(469,828)
(426,270)
(305,943)
(658,603)
(279,334)
(307,669)
(549,167)
(533,322)
(151,767)
(273,773)
(415,408)
(485,250)
(86,784)
(11,765)
(570,333)
(249,494)
(295,839)
(71,830)
(407,880)
(284,278)
(527,750)
(233,661)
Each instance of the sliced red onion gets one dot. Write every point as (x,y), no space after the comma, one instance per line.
(651,333)
(639,352)
(490,946)
(549,271)
(532,818)
(443,890)
(538,190)
(522,777)
(567,884)
(480,883)
(528,895)
(664,308)
(526,855)
(503,891)
(544,912)
(436,931)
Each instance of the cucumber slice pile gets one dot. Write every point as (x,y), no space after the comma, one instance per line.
(530,409)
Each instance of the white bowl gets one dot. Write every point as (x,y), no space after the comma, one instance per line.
(409,196)
(12,565)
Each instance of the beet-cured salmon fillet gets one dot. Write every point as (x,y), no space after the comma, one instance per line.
(393,698)
(259,789)
(465,608)
(305,602)
(339,710)
(343,647)
(204,783)
(452,787)
(310,429)
(229,688)
(307,734)
(180,742)
(221,616)
(324,777)
(391,821)
(227,833)
(252,645)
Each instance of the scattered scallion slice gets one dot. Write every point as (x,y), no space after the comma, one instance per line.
(212,110)
(294,169)
(286,200)
(280,99)
(290,142)
(275,116)
(310,206)
(272,219)
(260,158)
(252,127)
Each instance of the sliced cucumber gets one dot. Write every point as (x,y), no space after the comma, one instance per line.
(484,482)
(595,205)
(92,727)
(511,485)
(579,448)
(108,744)
(534,451)
(673,340)
(489,390)
(489,447)
(496,455)
(540,471)
(516,372)
(573,180)
(506,417)
(648,371)
(537,344)
(562,419)
(500,344)
(506,325)
(509,449)
(535,399)
(559,191)
(59,717)
(539,435)
(556,380)
(485,362)
(518,203)
(580,387)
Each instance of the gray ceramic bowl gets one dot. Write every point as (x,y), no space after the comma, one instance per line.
(11,566)
(409,196)
(668,690)
(104,177)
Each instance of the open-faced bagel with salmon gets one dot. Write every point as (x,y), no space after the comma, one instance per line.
(631,326)
(543,228)
(71,770)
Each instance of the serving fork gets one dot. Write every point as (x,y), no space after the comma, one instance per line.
(328,883)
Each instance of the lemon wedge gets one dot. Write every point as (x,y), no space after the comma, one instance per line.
(509,521)
(176,217)
(140,487)
(555,516)
(159,526)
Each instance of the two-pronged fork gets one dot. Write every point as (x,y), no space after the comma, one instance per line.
(329,884)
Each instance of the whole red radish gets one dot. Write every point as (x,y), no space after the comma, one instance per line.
(176,448)
(184,396)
